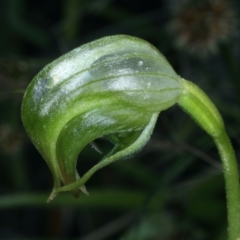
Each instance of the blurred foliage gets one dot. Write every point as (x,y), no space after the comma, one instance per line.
(171,190)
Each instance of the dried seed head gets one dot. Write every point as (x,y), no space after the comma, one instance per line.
(199,26)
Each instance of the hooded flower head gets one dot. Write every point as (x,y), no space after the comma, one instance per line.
(113,87)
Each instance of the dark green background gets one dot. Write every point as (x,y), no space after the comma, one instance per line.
(173,189)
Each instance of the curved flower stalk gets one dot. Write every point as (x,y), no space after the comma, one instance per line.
(114,87)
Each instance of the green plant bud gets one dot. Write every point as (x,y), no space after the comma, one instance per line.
(113,87)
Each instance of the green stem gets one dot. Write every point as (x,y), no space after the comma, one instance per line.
(197,104)
(230,171)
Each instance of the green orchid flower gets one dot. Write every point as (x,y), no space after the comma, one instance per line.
(115,87)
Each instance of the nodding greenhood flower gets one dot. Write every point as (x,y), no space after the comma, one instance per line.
(115,87)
